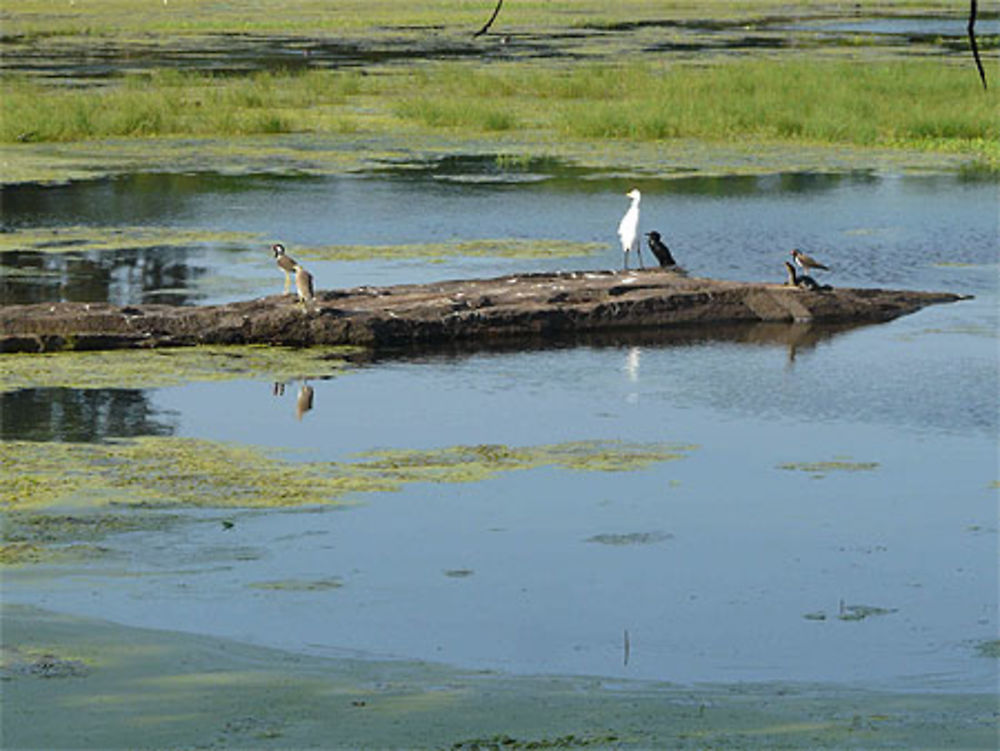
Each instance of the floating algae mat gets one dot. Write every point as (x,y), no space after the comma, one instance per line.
(837,465)
(78,239)
(157,472)
(167,367)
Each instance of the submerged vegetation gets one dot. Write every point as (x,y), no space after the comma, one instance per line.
(908,104)
(154,472)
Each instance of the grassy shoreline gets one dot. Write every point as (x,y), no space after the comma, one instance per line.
(918,105)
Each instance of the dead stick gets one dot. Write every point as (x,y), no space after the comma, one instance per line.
(972,41)
(496,12)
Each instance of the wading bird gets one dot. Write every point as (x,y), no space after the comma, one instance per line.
(285,262)
(660,249)
(628,228)
(805,281)
(304,287)
(807,263)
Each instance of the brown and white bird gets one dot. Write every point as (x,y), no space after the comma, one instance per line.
(807,263)
(304,287)
(805,281)
(285,262)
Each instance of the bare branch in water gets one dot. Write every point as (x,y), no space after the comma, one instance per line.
(496,12)
(972,41)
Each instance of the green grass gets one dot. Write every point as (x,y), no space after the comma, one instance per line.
(168,103)
(904,104)
(907,103)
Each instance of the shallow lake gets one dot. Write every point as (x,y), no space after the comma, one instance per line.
(831,517)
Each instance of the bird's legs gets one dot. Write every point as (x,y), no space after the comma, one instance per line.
(638,252)
(288,281)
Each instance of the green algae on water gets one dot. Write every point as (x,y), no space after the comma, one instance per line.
(165,472)
(631,538)
(170,366)
(989,648)
(820,469)
(298,585)
(77,239)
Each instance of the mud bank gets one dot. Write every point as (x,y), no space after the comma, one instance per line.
(117,687)
(538,306)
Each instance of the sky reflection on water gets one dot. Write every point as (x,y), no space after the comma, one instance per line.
(737,567)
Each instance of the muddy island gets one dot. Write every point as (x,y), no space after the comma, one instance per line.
(538,305)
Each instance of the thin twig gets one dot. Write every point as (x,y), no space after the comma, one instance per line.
(627,647)
(972,41)
(496,12)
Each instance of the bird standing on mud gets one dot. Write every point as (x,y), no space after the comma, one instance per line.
(628,228)
(807,263)
(285,262)
(660,249)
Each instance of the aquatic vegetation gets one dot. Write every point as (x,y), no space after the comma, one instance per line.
(912,104)
(989,648)
(170,366)
(506,742)
(632,538)
(298,585)
(24,553)
(475,463)
(861,612)
(163,472)
(821,468)
(499,248)
(77,239)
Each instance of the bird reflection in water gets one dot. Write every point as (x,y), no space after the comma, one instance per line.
(631,368)
(303,400)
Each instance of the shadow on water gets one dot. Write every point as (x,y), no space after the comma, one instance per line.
(78,415)
(95,415)
(795,338)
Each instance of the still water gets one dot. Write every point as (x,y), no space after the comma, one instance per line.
(724,565)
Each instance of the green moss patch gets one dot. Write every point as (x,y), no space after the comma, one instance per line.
(156,472)
(167,367)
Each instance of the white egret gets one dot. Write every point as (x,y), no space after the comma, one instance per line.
(628,228)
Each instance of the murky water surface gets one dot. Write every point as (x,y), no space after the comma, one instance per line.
(836,522)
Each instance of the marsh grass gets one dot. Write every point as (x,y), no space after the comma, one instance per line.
(902,104)
(896,104)
(171,103)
